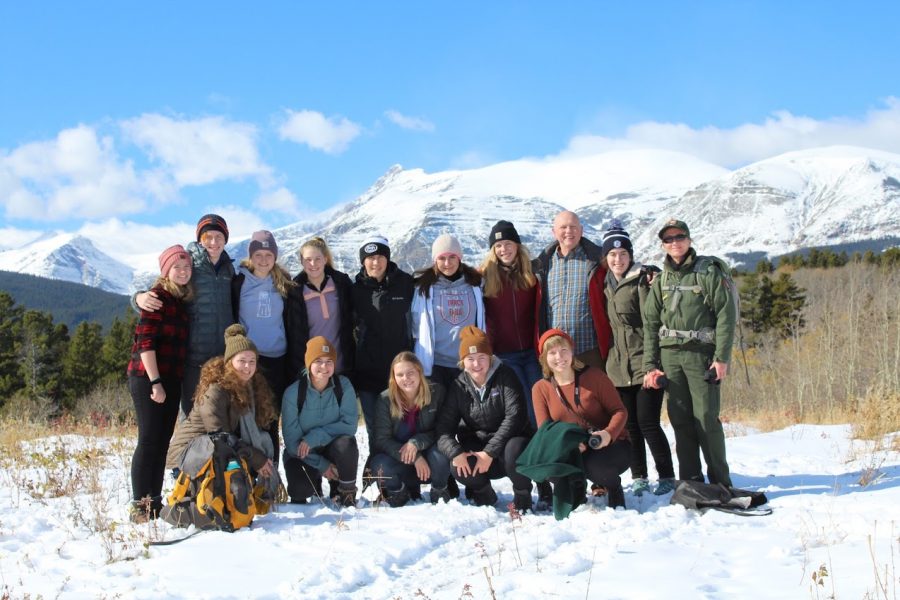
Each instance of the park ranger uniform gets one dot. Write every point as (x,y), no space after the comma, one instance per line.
(689,320)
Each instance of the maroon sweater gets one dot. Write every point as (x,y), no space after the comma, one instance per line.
(511,318)
(166,332)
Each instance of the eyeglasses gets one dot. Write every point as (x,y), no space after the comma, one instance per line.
(674,238)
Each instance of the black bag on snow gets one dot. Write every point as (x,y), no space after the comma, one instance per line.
(698,496)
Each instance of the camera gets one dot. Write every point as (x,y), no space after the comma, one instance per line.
(594,442)
(710,376)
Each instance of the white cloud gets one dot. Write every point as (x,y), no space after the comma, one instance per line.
(331,135)
(473,159)
(76,174)
(199,151)
(280,200)
(783,132)
(412,123)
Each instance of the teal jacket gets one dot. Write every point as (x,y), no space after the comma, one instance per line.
(322,419)
(554,452)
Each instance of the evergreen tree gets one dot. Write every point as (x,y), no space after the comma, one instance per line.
(81,367)
(10,333)
(756,302)
(40,352)
(116,350)
(788,300)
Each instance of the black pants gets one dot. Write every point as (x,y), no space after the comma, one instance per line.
(155,423)
(188,387)
(504,466)
(304,481)
(644,408)
(272,369)
(604,466)
(444,375)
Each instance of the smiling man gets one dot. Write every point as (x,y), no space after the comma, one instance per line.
(571,273)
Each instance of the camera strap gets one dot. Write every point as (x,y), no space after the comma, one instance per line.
(562,398)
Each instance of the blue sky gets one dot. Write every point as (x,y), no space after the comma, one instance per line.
(143,116)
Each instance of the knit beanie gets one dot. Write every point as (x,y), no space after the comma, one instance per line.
(472,340)
(318,347)
(236,340)
(553,332)
(263,240)
(375,245)
(616,237)
(503,230)
(446,244)
(214,222)
(170,256)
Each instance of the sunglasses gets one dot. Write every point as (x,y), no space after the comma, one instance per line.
(674,238)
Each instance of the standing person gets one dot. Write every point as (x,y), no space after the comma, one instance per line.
(483,427)
(689,320)
(510,297)
(154,379)
(584,395)
(232,397)
(627,286)
(258,292)
(405,452)
(318,421)
(448,298)
(382,296)
(319,305)
(210,311)
(571,272)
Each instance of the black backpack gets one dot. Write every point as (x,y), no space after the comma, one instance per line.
(698,495)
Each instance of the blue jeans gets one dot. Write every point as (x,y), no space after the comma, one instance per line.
(528,370)
(392,473)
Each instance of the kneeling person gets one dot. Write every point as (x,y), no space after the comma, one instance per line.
(483,426)
(404,450)
(318,421)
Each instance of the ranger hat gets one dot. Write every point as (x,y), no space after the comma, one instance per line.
(677,225)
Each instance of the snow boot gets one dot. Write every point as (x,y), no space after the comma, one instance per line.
(640,486)
(397,498)
(522,500)
(545,496)
(438,494)
(665,486)
(346,494)
(486,496)
(615,496)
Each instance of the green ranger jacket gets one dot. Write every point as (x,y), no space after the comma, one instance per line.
(695,304)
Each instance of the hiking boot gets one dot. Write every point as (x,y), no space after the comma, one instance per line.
(139,511)
(486,496)
(438,494)
(333,488)
(522,500)
(452,487)
(346,495)
(640,486)
(397,498)
(415,492)
(615,496)
(665,486)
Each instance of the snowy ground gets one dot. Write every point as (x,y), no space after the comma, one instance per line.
(826,524)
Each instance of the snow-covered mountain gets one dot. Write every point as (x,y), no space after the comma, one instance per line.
(69,257)
(822,197)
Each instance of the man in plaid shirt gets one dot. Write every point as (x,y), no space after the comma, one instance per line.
(571,273)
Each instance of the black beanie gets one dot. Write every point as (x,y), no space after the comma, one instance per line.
(375,245)
(503,230)
(211,221)
(616,237)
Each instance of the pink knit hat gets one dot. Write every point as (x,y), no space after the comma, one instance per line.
(170,256)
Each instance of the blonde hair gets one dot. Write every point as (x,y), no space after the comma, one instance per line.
(185,293)
(319,244)
(281,279)
(423,395)
(521,275)
(553,342)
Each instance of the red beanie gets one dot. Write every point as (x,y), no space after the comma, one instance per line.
(170,256)
(549,334)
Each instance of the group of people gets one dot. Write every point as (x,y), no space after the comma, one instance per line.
(458,370)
